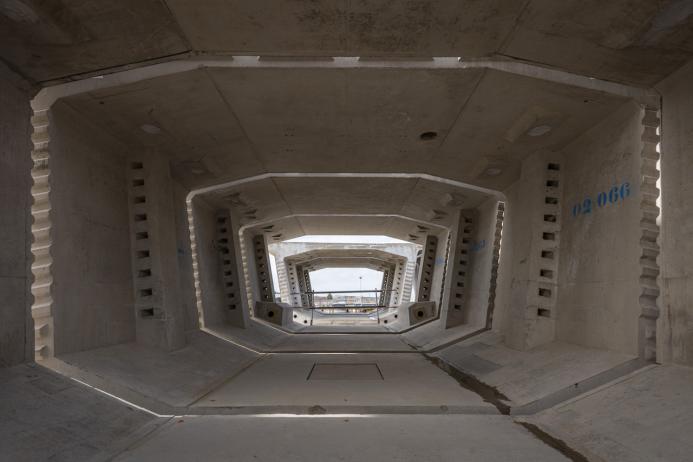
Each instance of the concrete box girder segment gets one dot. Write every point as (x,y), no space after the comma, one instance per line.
(47,96)
(519,68)
(382,68)
(644,46)
(314,256)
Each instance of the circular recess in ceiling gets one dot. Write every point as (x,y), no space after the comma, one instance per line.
(420,313)
(270,314)
(151,129)
(539,130)
(428,136)
(493,171)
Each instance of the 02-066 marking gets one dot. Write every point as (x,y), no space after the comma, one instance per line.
(614,196)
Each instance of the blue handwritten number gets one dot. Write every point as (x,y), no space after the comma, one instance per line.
(613,194)
(576,210)
(625,190)
(601,199)
(587,206)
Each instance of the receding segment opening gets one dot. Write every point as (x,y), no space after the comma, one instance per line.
(345,279)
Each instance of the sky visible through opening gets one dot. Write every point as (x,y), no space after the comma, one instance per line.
(331,279)
(342,278)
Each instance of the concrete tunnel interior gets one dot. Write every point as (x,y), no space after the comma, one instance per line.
(155,303)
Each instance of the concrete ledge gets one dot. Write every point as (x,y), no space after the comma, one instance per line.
(280,314)
(536,379)
(644,416)
(409,315)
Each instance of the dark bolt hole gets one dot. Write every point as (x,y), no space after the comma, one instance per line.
(428,136)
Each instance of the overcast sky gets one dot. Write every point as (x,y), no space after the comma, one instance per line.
(345,279)
(349,239)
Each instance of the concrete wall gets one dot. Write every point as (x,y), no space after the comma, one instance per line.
(675,327)
(92,290)
(525,316)
(481,261)
(16,331)
(598,285)
(209,268)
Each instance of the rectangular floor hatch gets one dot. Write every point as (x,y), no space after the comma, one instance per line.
(345,371)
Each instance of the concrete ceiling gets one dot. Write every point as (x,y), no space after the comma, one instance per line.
(355,200)
(634,41)
(397,227)
(46,40)
(226,124)
(314,260)
(221,124)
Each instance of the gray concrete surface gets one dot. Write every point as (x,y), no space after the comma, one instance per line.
(406,380)
(599,283)
(343,342)
(528,376)
(262,337)
(674,329)
(176,378)
(93,291)
(644,417)
(16,332)
(343,438)
(433,335)
(544,105)
(610,46)
(49,417)
(259,98)
(257,336)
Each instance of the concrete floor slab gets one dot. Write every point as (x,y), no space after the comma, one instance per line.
(433,335)
(344,329)
(528,376)
(407,380)
(348,438)
(44,416)
(258,336)
(176,378)
(645,417)
(343,343)
(262,338)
